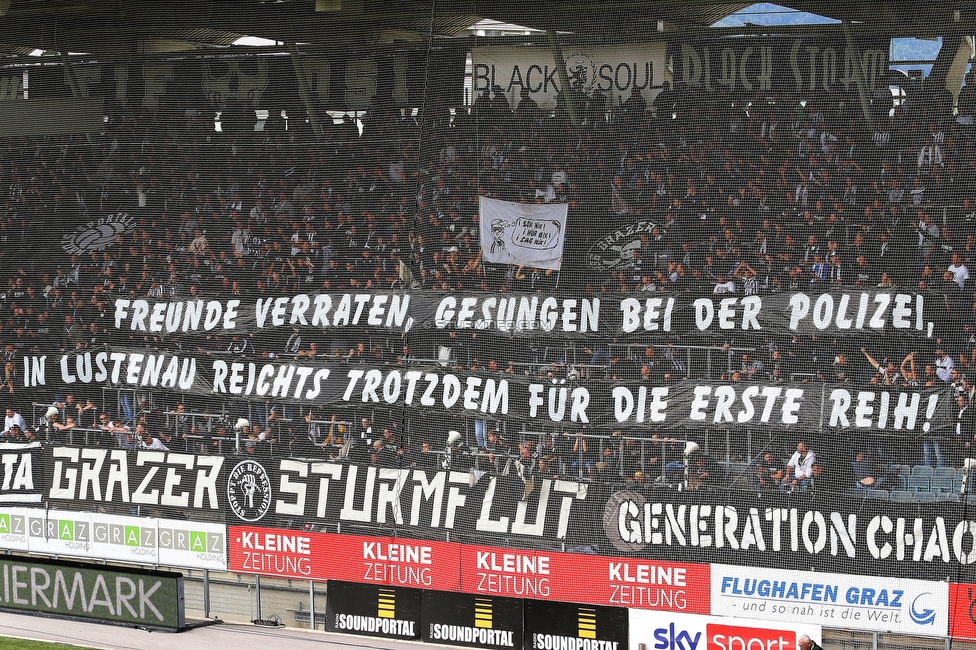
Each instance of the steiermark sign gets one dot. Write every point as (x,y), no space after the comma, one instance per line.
(144,598)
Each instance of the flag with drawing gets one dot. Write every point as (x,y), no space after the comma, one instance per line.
(522,233)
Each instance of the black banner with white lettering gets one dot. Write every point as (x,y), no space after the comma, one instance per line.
(156,481)
(820,532)
(23,473)
(825,528)
(873,311)
(365,498)
(778,65)
(373,610)
(474,621)
(550,624)
(659,400)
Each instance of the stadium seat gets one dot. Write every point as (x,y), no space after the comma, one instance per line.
(944,472)
(926,497)
(902,496)
(922,470)
(904,470)
(941,484)
(947,496)
(918,483)
(878,494)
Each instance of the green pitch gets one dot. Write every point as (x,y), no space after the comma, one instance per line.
(7,643)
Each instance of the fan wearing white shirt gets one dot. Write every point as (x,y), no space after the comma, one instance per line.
(726,286)
(12,418)
(800,468)
(959,271)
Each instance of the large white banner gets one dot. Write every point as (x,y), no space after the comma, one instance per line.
(671,631)
(831,599)
(94,536)
(523,233)
(616,71)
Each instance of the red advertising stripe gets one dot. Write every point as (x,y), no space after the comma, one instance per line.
(447,566)
(722,637)
(394,561)
(352,558)
(275,552)
(592,579)
(962,611)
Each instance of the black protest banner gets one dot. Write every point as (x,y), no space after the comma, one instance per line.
(550,624)
(351,497)
(82,478)
(475,621)
(373,610)
(23,473)
(778,65)
(821,532)
(874,311)
(651,403)
(826,529)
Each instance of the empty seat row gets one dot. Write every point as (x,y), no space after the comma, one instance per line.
(906,496)
(930,472)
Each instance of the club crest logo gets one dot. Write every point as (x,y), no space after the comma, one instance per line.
(615,250)
(97,235)
(581,69)
(249,491)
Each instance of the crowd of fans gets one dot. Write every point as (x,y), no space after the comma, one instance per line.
(752,195)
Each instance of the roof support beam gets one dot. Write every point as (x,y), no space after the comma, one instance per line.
(862,93)
(557,57)
(303,89)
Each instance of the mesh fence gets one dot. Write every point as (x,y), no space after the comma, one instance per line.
(651,291)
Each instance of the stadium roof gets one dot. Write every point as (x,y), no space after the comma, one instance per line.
(128,28)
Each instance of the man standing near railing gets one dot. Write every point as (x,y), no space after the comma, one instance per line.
(12,418)
(116,435)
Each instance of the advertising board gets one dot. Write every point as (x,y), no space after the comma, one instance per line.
(144,598)
(373,610)
(835,600)
(671,631)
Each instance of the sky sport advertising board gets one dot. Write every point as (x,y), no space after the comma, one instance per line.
(94,536)
(832,600)
(479,570)
(672,631)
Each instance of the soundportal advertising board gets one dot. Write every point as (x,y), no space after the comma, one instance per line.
(374,610)
(552,626)
(835,600)
(476,621)
(671,631)
(94,536)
